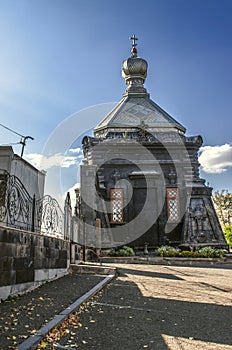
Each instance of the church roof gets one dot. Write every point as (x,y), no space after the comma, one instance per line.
(136,109)
(133,111)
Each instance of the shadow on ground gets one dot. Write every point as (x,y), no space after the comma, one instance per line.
(124,272)
(122,317)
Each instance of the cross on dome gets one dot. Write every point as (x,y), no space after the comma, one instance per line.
(133,38)
(134,50)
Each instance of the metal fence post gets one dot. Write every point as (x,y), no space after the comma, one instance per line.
(33,215)
(84,250)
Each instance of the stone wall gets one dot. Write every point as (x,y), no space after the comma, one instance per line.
(28,259)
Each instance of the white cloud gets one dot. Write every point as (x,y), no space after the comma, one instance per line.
(68,161)
(216,159)
(46,162)
(77,150)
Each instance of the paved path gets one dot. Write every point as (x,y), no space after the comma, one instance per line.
(158,307)
(146,307)
(23,316)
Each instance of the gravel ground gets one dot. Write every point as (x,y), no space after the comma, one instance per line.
(21,317)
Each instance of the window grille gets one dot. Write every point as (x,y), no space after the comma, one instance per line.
(173,204)
(116,200)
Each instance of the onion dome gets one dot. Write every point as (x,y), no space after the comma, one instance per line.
(134,71)
(136,113)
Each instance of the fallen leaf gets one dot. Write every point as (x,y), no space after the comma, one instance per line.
(33,331)
(42,345)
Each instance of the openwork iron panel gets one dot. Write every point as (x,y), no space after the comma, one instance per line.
(173,204)
(116,200)
(50,217)
(16,205)
(19,210)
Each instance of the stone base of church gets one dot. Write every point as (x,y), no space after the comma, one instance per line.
(201,225)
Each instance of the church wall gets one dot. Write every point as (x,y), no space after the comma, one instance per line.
(88,205)
(163,173)
(145,174)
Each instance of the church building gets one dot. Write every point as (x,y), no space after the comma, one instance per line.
(140,182)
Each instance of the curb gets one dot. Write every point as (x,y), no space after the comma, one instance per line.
(175,261)
(88,268)
(32,342)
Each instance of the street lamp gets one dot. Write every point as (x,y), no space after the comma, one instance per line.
(23,143)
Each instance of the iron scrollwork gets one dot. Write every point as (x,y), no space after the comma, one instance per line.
(15,202)
(50,217)
(19,205)
(19,210)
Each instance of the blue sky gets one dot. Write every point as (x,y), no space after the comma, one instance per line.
(59,57)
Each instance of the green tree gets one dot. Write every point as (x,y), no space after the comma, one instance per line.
(223,205)
(228,234)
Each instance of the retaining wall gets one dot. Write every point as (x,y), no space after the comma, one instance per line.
(28,259)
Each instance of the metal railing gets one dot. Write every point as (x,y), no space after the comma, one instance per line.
(19,210)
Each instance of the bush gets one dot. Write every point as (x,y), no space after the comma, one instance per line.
(206,252)
(166,250)
(124,251)
(209,252)
(189,254)
(228,234)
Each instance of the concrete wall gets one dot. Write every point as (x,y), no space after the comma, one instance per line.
(32,179)
(28,259)
(6,155)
